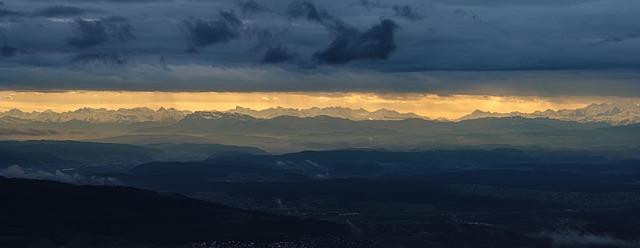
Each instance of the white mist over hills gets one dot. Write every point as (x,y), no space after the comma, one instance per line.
(612,113)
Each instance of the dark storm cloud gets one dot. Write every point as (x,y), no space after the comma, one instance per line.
(7,51)
(406,11)
(267,39)
(8,13)
(303,9)
(276,55)
(252,7)
(619,39)
(62,11)
(377,43)
(498,3)
(203,33)
(370,4)
(329,45)
(115,1)
(92,33)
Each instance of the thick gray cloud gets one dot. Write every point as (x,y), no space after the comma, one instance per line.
(498,3)
(407,11)
(7,51)
(251,7)
(99,58)
(91,33)
(204,33)
(8,12)
(279,54)
(62,11)
(303,9)
(350,44)
(297,44)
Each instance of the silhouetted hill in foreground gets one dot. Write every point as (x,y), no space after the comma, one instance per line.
(58,214)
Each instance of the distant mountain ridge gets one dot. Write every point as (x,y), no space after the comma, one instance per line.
(612,113)
(339,112)
(101,115)
(143,114)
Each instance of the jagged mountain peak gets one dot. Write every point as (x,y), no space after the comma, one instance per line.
(100,115)
(216,115)
(613,113)
(335,111)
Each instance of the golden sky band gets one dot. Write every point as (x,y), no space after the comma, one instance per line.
(433,106)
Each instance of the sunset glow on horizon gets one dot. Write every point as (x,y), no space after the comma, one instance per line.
(433,106)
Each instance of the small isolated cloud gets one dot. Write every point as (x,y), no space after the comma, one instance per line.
(276,55)
(16,171)
(91,33)
(350,44)
(203,33)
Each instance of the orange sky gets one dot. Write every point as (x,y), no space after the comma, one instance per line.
(434,106)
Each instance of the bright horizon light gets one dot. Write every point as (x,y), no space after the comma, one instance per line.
(429,105)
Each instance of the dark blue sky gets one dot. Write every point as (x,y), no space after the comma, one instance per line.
(515,47)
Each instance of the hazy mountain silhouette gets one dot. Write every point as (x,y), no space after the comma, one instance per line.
(613,113)
(339,112)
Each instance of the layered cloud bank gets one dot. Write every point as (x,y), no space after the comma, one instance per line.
(573,47)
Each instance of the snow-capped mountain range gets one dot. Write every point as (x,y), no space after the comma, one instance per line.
(339,112)
(170,114)
(612,113)
(100,115)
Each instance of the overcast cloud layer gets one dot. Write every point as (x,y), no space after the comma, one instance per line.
(518,47)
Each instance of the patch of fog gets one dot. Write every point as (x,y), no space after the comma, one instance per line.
(581,239)
(279,203)
(16,171)
(312,163)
